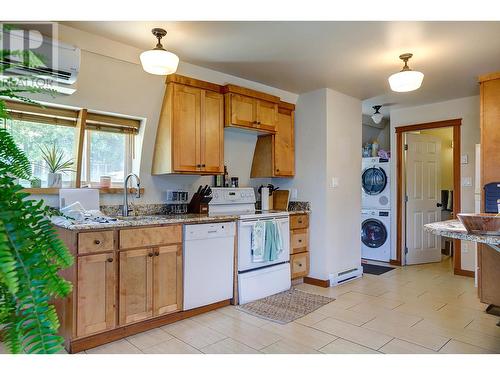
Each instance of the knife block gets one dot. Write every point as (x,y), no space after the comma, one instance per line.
(196,206)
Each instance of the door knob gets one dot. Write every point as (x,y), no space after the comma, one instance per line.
(97,242)
(439,205)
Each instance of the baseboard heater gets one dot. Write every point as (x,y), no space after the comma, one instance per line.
(346,275)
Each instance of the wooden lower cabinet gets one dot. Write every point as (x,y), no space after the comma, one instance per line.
(167,280)
(96,294)
(299,245)
(150,283)
(136,285)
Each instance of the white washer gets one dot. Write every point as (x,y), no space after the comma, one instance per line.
(375,183)
(376,235)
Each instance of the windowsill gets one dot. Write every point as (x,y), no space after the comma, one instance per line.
(55,191)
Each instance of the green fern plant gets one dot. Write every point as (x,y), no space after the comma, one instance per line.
(31,254)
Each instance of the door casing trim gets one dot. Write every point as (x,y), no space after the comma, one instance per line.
(455,124)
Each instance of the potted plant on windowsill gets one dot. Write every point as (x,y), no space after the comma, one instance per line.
(54,158)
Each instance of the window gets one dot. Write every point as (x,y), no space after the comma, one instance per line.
(107,148)
(31,137)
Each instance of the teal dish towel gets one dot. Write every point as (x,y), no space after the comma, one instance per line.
(273,241)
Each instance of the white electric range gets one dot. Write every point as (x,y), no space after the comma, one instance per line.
(255,279)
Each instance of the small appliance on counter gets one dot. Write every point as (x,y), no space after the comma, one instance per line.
(177,202)
(199,201)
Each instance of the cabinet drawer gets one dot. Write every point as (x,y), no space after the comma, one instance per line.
(299,221)
(299,264)
(94,242)
(299,240)
(146,237)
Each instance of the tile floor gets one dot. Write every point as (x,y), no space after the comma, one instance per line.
(416,309)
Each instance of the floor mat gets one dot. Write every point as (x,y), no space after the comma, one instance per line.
(286,306)
(375,269)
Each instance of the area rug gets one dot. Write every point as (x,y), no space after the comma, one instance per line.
(375,269)
(286,306)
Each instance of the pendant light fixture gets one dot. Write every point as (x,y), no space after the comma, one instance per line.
(407,79)
(377,116)
(158,60)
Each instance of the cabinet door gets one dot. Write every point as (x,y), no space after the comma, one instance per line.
(243,110)
(96,294)
(212,132)
(267,115)
(167,279)
(136,277)
(284,150)
(186,129)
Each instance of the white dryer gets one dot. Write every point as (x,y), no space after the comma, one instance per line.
(376,235)
(375,183)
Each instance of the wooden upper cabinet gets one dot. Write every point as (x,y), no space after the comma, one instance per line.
(284,144)
(167,279)
(186,128)
(267,115)
(250,109)
(96,294)
(212,132)
(274,155)
(242,110)
(190,135)
(490,128)
(136,285)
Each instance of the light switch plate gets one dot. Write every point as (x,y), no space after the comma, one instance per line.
(464,159)
(335,182)
(466,181)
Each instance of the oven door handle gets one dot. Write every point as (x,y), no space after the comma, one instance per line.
(253,221)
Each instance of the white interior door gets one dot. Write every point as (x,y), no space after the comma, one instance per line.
(423,190)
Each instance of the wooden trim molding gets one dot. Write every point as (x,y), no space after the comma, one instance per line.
(132,329)
(395,262)
(317,282)
(249,92)
(285,105)
(455,123)
(429,125)
(55,191)
(187,81)
(488,77)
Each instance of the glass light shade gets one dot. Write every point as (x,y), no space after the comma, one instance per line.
(407,80)
(159,61)
(377,118)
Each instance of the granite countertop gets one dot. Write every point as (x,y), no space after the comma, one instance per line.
(299,212)
(138,221)
(455,229)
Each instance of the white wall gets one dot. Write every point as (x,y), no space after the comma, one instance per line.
(468,110)
(112,80)
(327,144)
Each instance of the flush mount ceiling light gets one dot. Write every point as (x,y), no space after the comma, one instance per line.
(377,116)
(158,60)
(407,79)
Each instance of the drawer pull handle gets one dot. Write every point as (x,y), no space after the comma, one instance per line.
(300,241)
(300,221)
(109,260)
(300,264)
(157,253)
(97,242)
(150,254)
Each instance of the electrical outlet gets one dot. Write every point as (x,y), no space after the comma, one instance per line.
(335,182)
(293,193)
(467,181)
(464,159)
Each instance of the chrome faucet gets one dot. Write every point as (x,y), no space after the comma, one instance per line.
(125,209)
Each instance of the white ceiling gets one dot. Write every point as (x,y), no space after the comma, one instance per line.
(351,57)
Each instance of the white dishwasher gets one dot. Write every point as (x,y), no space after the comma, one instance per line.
(208,263)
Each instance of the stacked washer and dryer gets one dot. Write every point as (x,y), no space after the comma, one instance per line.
(376,209)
